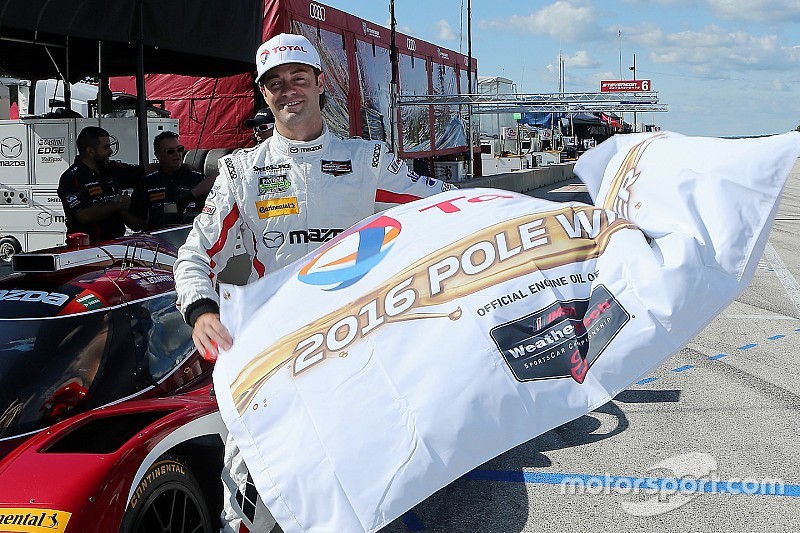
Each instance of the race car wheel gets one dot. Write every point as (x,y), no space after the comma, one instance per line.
(8,247)
(168,499)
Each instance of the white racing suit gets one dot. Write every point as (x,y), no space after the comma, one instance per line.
(285,198)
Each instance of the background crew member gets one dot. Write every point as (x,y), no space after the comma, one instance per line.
(175,190)
(91,190)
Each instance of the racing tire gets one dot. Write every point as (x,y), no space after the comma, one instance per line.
(8,247)
(167,498)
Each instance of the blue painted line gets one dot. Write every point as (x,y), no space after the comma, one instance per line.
(718,356)
(683,368)
(775,337)
(710,486)
(645,381)
(412,521)
(747,346)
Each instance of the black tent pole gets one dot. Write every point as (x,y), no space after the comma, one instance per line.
(67,88)
(393,86)
(141,95)
(470,139)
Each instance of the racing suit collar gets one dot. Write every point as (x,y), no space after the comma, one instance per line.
(300,148)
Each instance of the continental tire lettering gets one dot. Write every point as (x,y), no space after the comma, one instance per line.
(376,156)
(166,467)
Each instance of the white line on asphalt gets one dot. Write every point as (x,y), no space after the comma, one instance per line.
(785,277)
(761,317)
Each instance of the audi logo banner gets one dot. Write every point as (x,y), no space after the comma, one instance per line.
(316,11)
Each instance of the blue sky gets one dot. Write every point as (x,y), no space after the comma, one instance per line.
(724,67)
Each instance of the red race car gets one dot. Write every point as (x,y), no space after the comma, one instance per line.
(107,415)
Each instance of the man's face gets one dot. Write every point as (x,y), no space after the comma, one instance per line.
(170,154)
(102,152)
(292,92)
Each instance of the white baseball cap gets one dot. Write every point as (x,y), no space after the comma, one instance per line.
(285,48)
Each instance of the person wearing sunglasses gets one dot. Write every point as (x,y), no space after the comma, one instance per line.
(92,189)
(172,194)
(263,124)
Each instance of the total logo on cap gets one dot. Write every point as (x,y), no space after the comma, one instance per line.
(286,48)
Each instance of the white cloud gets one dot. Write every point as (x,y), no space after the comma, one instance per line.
(581,59)
(572,20)
(446,32)
(713,49)
(774,11)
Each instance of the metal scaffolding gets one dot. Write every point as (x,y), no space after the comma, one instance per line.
(545,102)
(496,104)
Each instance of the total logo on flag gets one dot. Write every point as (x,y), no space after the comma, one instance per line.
(354,253)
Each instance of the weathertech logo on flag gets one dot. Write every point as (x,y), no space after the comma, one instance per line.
(561,340)
(277,207)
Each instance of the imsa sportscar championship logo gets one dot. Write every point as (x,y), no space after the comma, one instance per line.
(562,340)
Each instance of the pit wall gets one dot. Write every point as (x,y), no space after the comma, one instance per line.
(524,180)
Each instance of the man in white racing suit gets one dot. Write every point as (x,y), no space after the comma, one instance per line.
(284,197)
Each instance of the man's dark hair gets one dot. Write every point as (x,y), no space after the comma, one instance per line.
(89,137)
(161,136)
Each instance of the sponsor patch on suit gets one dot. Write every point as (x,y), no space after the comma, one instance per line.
(336,168)
(276,207)
(273,184)
(395,165)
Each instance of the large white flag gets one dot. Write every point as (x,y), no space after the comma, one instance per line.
(434,336)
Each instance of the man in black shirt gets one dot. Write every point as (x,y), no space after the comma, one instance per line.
(174,191)
(92,189)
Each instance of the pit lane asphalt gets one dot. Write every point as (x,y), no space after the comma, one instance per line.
(725,409)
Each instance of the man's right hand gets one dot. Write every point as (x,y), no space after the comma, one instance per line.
(209,335)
